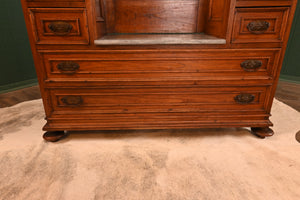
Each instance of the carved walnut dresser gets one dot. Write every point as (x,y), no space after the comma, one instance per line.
(157,64)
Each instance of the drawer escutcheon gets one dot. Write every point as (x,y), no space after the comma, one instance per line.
(251,65)
(258,26)
(244,98)
(72,100)
(60,28)
(68,67)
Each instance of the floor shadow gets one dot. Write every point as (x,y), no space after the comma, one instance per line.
(162,134)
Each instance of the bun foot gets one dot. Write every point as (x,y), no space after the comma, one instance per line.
(298,136)
(262,132)
(54,136)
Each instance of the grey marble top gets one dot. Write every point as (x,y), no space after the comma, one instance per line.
(151,39)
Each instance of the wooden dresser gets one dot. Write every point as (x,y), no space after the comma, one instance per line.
(157,64)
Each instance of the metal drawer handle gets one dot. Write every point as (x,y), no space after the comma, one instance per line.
(68,67)
(60,27)
(258,27)
(244,98)
(72,100)
(251,65)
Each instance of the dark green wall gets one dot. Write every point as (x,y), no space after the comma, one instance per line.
(291,65)
(17,69)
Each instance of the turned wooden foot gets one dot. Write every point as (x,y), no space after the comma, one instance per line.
(54,136)
(262,132)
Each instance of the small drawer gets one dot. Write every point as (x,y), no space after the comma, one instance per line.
(59,25)
(56,0)
(157,99)
(55,3)
(146,67)
(254,25)
(256,3)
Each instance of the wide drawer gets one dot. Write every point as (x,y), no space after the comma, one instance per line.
(59,25)
(159,66)
(135,108)
(254,25)
(154,100)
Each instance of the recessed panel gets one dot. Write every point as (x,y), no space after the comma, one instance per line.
(151,16)
(59,25)
(252,25)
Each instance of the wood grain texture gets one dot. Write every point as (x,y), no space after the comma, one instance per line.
(286,92)
(255,3)
(189,99)
(12,98)
(275,31)
(137,65)
(289,93)
(55,3)
(155,16)
(41,19)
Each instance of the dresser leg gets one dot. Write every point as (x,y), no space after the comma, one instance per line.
(262,132)
(54,136)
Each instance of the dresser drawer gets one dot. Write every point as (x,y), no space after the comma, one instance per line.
(56,0)
(55,3)
(59,25)
(254,25)
(136,108)
(147,100)
(255,3)
(160,66)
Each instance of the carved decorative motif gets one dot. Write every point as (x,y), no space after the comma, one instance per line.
(68,67)
(60,27)
(258,26)
(244,98)
(251,65)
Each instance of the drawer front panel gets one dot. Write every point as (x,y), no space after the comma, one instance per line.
(255,3)
(206,65)
(59,25)
(156,100)
(55,3)
(56,0)
(259,25)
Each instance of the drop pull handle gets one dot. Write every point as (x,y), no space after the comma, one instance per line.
(244,98)
(68,67)
(60,28)
(72,100)
(258,26)
(251,65)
